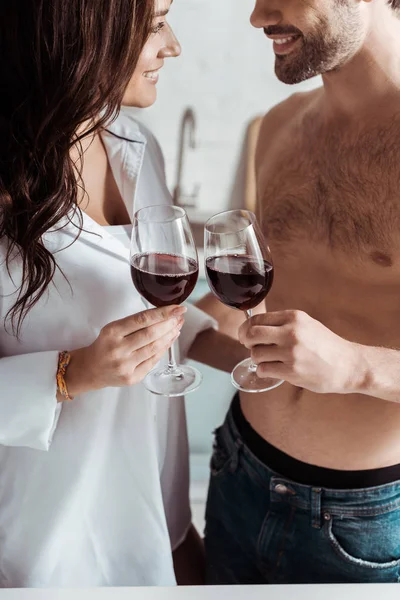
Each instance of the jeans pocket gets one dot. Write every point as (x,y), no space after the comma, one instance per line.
(367,543)
(221,456)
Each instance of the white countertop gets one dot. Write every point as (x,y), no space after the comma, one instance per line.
(303,592)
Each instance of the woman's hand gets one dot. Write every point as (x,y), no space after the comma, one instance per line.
(125,350)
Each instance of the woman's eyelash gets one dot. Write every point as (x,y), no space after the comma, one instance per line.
(158,27)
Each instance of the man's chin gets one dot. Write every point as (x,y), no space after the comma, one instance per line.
(291,76)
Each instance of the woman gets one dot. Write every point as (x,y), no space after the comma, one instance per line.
(93,468)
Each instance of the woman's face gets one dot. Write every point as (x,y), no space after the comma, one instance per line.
(141,90)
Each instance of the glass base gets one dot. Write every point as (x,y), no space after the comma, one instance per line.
(166,382)
(246,380)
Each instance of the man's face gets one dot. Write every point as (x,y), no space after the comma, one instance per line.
(311,37)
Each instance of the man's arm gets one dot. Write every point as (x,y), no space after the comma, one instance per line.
(293,346)
(379,373)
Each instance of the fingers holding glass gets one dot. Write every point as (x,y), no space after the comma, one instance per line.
(240,273)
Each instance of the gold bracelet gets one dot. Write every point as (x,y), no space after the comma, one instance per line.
(63,362)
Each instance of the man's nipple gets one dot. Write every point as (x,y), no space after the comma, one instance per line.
(381,258)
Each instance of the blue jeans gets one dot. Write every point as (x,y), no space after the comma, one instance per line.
(262,528)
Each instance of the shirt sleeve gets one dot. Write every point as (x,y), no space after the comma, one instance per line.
(196,321)
(29,410)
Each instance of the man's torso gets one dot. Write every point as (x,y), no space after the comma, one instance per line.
(328,203)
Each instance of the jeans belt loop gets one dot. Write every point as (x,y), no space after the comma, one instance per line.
(316,516)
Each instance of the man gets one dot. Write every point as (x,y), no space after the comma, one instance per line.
(305,483)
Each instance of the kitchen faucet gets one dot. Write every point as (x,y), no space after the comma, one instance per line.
(187,140)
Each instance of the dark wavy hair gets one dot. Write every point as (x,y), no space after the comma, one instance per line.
(62,63)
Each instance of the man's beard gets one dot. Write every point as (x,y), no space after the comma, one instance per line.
(327,49)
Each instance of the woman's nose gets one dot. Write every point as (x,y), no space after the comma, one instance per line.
(172,48)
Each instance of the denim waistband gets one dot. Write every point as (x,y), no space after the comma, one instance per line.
(303,472)
(322,501)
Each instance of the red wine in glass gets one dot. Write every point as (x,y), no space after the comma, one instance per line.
(240,273)
(238,280)
(164,279)
(164,270)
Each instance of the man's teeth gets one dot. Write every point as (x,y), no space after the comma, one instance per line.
(284,40)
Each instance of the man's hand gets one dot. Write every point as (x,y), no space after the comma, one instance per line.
(291,345)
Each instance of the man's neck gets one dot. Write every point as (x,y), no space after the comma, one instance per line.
(372,77)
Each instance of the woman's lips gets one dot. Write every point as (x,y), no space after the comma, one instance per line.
(152,76)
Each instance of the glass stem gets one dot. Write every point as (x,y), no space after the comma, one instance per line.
(253,366)
(172,367)
(171,358)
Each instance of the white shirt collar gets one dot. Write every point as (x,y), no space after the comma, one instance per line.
(125,145)
(125,127)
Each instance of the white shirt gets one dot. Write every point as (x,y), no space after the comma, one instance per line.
(93,492)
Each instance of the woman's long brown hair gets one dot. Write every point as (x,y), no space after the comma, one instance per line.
(62,63)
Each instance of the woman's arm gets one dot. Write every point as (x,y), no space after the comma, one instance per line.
(220,349)
(217,350)
(125,350)
(123,353)
(189,560)
(28,408)
(229,319)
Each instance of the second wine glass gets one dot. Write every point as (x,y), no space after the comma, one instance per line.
(240,273)
(164,269)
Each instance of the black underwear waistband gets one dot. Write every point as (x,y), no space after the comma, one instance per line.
(302,472)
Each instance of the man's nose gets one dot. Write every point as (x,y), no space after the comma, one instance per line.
(266,13)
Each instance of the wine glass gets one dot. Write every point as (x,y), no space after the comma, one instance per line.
(164,270)
(239,272)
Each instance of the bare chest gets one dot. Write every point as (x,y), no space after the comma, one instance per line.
(331,212)
(342,194)
(104,203)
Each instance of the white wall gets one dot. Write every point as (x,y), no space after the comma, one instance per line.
(225,73)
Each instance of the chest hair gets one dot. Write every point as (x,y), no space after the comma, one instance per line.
(338,189)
